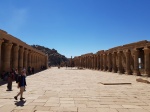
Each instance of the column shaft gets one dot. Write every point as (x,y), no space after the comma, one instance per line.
(119,63)
(7,55)
(147,61)
(20,63)
(136,62)
(15,57)
(128,70)
(1,41)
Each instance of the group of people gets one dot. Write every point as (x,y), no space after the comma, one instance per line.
(20,79)
(30,70)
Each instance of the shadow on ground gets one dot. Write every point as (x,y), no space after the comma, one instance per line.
(20,103)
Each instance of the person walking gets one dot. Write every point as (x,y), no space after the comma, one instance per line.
(21,85)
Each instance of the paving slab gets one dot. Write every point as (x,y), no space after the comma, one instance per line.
(74,90)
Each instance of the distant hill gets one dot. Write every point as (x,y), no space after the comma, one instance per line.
(54,58)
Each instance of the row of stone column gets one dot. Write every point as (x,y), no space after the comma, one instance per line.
(16,56)
(123,61)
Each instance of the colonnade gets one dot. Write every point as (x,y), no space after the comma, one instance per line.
(131,59)
(16,54)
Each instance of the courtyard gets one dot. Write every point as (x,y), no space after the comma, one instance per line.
(74,90)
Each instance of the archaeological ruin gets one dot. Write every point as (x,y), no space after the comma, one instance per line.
(16,54)
(130,59)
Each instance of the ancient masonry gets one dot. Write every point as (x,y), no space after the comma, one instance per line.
(131,59)
(16,54)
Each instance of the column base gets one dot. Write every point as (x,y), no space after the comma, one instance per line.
(128,73)
(114,71)
(119,72)
(137,73)
(146,74)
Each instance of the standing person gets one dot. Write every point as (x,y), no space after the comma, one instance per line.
(21,85)
(10,79)
(32,70)
(29,71)
(16,75)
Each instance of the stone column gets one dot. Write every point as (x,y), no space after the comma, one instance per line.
(21,51)
(119,63)
(29,59)
(114,63)
(46,60)
(7,55)
(88,62)
(104,62)
(101,62)
(38,62)
(136,62)
(1,41)
(147,61)
(95,62)
(25,58)
(15,56)
(128,69)
(109,62)
(98,61)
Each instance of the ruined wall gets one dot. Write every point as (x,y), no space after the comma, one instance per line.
(131,59)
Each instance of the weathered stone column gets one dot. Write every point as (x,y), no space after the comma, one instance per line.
(109,62)
(147,61)
(136,62)
(119,63)
(91,58)
(46,61)
(101,62)
(1,41)
(29,59)
(114,62)
(38,61)
(98,61)
(104,62)
(87,61)
(33,60)
(25,58)
(128,69)
(21,51)
(95,62)
(7,55)
(15,56)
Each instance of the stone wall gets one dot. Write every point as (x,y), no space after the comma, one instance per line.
(16,54)
(131,59)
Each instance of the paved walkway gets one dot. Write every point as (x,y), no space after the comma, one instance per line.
(66,90)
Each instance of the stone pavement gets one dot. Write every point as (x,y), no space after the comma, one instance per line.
(72,90)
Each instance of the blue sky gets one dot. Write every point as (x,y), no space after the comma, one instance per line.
(76,27)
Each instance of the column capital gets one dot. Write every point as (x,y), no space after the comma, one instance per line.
(146,50)
(126,51)
(8,45)
(26,51)
(1,41)
(21,49)
(16,48)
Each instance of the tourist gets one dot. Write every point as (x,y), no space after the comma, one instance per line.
(29,70)
(21,85)
(16,75)
(10,79)
(32,70)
